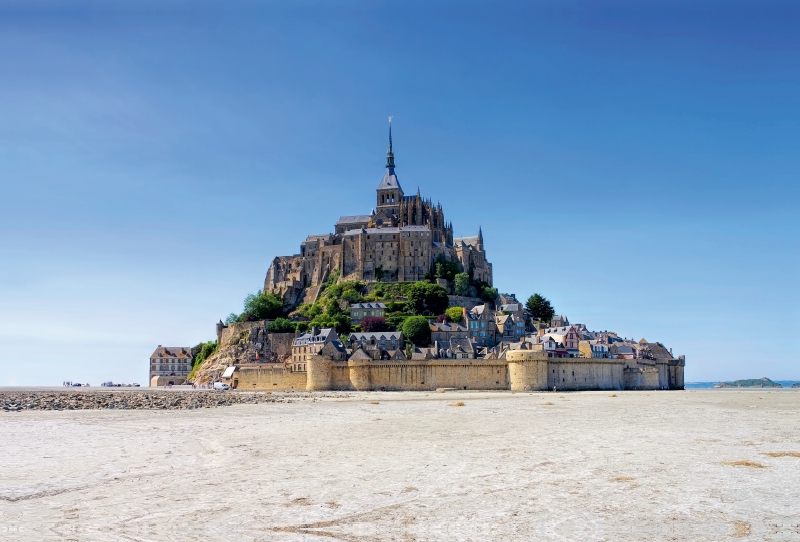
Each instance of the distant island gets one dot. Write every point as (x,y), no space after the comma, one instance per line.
(763,382)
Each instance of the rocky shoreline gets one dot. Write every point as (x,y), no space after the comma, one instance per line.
(132,400)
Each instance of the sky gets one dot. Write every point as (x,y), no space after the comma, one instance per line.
(634,162)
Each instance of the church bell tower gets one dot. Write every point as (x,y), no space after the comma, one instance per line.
(389,192)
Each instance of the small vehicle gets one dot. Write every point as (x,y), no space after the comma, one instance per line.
(221,386)
(77,385)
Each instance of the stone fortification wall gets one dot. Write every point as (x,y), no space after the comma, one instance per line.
(364,375)
(586,374)
(527,370)
(523,370)
(272,376)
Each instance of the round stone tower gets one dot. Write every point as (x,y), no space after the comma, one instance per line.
(527,370)
(318,373)
(359,373)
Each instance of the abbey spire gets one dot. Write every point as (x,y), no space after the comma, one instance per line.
(389,153)
(390,193)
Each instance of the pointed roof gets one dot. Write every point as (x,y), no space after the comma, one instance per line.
(389,178)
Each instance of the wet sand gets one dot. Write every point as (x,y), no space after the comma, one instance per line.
(412,466)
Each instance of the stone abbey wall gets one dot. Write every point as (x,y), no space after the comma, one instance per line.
(523,370)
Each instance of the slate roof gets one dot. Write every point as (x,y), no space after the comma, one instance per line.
(368,306)
(375,231)
(360,354)
(659,351)
(308,338)
(389,180)
(377,335)
(184,352)
(462,344)
(560,330)
(466,241)
(441,326)
(318,237)
(510,307)
(355,219)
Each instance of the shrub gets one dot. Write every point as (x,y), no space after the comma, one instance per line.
(351,296)
(374,323)
(202,352)
(282,325)
(416,329)
(456,314)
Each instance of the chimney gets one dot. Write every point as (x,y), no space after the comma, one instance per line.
(315,331)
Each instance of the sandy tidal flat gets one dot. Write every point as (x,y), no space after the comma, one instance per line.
(691,465)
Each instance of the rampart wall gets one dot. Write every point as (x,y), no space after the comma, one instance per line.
(522,370)
(268,376)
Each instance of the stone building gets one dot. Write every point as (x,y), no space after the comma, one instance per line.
(359,311)
(397,242)
(318,341)
(482,325)
(170,364)
(444,331)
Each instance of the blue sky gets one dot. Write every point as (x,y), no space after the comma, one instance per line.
(636,163)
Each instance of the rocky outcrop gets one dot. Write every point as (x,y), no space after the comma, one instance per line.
(242,343)
(763,382)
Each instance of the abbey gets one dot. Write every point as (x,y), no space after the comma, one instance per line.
(397,242)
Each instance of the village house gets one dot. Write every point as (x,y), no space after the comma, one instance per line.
(378,344)
(592,349)
(481,325)
(312,343)
(359,311)
(444,331)
(455,348)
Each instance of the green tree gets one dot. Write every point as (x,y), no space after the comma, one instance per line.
(263,306)
(232,317)
(394,321)
(455,314)
(333,317)
(417,330)
(461,284)
(489,293)
(445,269)
(426,298)
(282,325)
(540,308)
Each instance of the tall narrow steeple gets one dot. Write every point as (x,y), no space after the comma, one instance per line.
(480,239)
(390,194)
(389,153)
